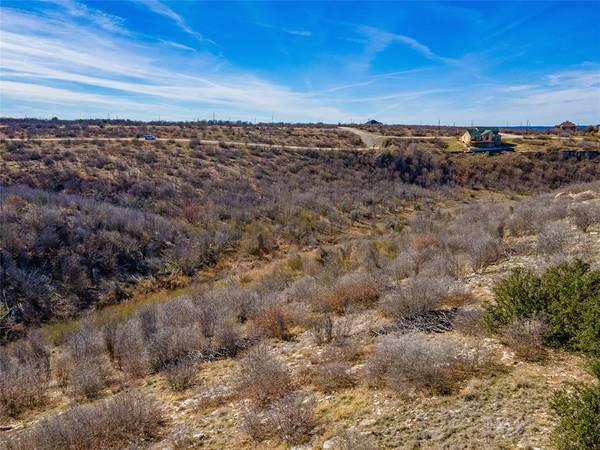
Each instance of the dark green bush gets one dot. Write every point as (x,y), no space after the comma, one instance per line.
(566,296)
(578,409)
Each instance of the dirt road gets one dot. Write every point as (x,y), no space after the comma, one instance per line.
(374,140)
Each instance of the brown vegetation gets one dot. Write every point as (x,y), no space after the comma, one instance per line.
(319,307)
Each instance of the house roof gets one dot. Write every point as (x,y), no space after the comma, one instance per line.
(567,123)
(476,133)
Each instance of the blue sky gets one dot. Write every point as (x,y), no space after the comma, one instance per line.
(399,62)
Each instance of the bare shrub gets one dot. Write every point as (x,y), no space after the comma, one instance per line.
(262,378)
(124,420)
(181,376)
(238,303)
(424,362)
(321,328)
(227,339)
(586,215)
(420,294)
(482,249)
(404,266)
(304,290)
(169,345)
(357,290)
(325,328)
(88,376)
(292,418)
(289,419)
(130,348)
(23,382)
(329,376)
(352,440)
(552,239)
(254,423)
(179,313)
(271,319)
(469,321)
(347,349)
(217,315)
(444,263)
(85,365)
(526,338)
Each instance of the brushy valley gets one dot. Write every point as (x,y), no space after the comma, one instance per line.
(175,294)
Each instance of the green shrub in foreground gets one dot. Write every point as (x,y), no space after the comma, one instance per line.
(567,296)
(578,409)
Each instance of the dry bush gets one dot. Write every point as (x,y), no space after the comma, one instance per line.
(262,378)
(329,376)
(241,303)
(443,263)
(125,420)
(289,419)
(426,363)
(469,321)
(482,249)
(352,440)
(552,239)
(170,345)
(181,376)
(419,295)
(586,215)
(356,290)
(24,377)
(325,328)
(526,338)
(320,328)
(88,376)
(292,418)
(272,319)
(226,340)
(365,256)
(217,316)
(85,366)
(254,423)
(531,216)
(403,266)
(305,290)
(273,281)
(130,348)
(345,350)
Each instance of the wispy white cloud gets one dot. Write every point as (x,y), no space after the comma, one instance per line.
(93,16)
(39,53)
(178,45)
(304,33)
(162,9)
(379,40)
(371,80)
(111,68)
(519,87)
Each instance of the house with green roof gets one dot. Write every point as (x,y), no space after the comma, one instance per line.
(481,137)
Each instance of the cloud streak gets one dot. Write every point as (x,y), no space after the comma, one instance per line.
(50,67)
(162,9)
